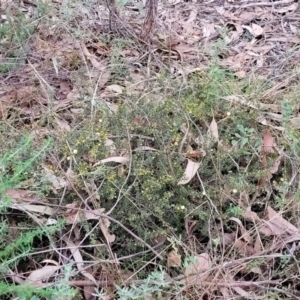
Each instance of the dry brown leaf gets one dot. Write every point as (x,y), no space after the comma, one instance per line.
(278,88)
(244,248)
(238,290)
(272,224)
(257,30)
(213,130)
(184,48)
(57,181)
(259,223)
(116,159)
(104,225)
(225,292)
(242,292)
(286,9)
(89,290)
(268,142)
(173,2)
(190,171)
(239,100)
(236,62)
(276,165)
(39,278)
(16,278)
(256,270)
(70,174)
(196,272)
(257,244)
(50,261)
(225,13)
(208,29)
(195,153)
(77,111)
(293,28)
(275,117)
(279,225)
(259,50)
(92,58)
(245,234)
(144,148)
(44,210)
(23,195)
(192,16)
(254,29)
(78,259)
(240,74)
(174,259)
(237,33)
(63,124)
(115,88)
(74,215)
(103,78)
(229,238)
(262,120)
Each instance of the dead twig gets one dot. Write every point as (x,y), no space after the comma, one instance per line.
(260,4)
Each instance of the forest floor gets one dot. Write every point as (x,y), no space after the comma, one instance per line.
(159,170)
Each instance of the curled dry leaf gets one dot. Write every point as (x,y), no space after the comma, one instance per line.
(39,278)
(255,30)
(116,159)
(190,171)
(115,88)
(196,272)
(50,261)
(144,148)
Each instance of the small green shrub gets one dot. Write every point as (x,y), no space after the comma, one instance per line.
(17,166)
(155,285)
